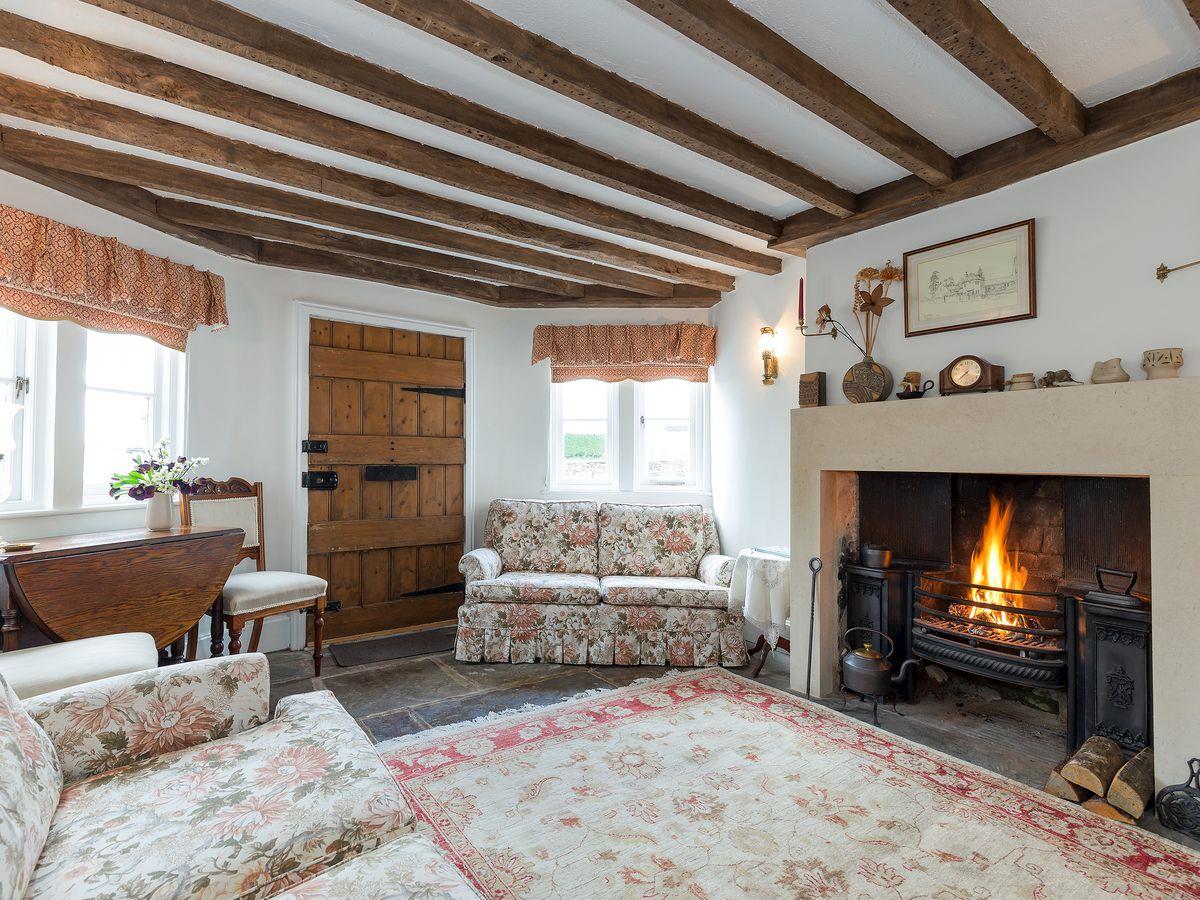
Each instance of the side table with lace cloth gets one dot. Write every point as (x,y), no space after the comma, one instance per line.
(762,588)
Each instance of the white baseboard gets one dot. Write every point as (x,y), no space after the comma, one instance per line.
(285,632)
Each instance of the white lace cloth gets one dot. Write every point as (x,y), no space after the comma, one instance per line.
(762,589)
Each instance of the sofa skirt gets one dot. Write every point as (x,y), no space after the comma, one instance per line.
(599,635)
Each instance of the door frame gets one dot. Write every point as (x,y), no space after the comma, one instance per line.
(307,311)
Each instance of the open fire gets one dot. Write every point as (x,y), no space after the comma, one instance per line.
(993,575)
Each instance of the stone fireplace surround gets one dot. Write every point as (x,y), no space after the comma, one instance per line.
(1140,428)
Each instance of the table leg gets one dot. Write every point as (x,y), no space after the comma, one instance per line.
(217,634)
(11,627)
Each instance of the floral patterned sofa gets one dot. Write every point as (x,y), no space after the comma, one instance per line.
(614,584)
(172,783)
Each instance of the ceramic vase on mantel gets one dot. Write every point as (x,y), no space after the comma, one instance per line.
(1162,363)
(867,381)
(160,512)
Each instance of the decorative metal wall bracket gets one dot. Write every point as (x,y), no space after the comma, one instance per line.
(1164,270)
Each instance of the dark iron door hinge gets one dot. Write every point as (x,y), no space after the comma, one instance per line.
(441,392)
(314,446)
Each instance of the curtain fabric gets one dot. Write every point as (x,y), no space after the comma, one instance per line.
(49,270)
(619,352)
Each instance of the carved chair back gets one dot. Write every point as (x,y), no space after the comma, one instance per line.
(235,503)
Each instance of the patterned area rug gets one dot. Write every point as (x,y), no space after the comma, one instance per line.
(706,785)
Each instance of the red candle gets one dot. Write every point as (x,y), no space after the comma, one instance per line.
(801,310)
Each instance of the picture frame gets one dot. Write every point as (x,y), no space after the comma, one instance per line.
(985,278)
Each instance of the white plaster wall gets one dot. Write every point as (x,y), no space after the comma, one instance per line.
(1103,226)
(750,445)
(242,391)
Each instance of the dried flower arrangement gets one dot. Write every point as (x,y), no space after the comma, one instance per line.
(871,288)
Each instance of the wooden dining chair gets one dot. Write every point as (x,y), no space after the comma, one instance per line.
(254,596)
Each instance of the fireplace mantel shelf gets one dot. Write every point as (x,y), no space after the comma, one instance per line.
(1139,428)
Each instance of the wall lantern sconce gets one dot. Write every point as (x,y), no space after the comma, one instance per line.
(766,346)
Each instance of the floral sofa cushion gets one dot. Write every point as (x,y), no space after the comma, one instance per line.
(536,587)
(408,868)
(116,721)
(649,590)
(244,816)
(537,536)
(652,540)
(30,782)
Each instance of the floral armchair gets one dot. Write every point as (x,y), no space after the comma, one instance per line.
(173,782)
(614,584)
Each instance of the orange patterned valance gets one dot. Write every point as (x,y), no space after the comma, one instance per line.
(49,270)
(620,352)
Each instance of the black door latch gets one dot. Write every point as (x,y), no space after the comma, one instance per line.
(319,481)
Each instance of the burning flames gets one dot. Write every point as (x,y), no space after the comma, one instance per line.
(991,566)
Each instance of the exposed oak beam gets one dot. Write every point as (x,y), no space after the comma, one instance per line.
(1112,124)
(41,104)
(971,33)
(200,215)
(213,96)
(290,256)
(533,57)
(128,201)
(599,297)
(142,172)
(744,41)
(226,28)
(1193,7)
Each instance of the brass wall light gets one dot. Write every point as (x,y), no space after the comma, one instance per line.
(766,345)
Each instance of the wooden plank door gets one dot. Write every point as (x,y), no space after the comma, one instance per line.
(388,537)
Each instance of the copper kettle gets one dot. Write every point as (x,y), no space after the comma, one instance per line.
(867,671)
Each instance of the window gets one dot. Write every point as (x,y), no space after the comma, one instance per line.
(17,355)
(628,437)
(670,420)
(584,450)
(128,403)
(78,401)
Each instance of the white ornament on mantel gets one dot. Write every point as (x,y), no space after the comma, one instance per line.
(160,513)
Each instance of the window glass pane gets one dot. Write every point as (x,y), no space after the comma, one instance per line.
(668,450)
(120,362)
(584,399)
(114,424)
(585,450)
(672,399)
(11,330)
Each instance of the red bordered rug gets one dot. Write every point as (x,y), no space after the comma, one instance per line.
(706,785)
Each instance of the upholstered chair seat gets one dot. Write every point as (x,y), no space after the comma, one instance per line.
(40,670)
(251,592)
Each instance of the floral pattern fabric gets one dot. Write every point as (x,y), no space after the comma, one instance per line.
(707,785)
(646,590)
(536,587)
(538,536)
(480,565)
(601,635)
(651,540)
(123,720)
(408,868)
(245,816)
(716,569)
(30,782)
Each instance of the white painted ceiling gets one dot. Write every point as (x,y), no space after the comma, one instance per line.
(1098,48)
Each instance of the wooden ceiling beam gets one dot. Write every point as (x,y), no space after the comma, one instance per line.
(200,215)
(684,297)
(128,201)
(305,259)
(1193,7)
(62,110)
(228,29)
(214,96)
(740,39)
(543,62)
(142,172)
(1115,123)
(971,33)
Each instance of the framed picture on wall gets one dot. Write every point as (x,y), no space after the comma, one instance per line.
(980,279)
